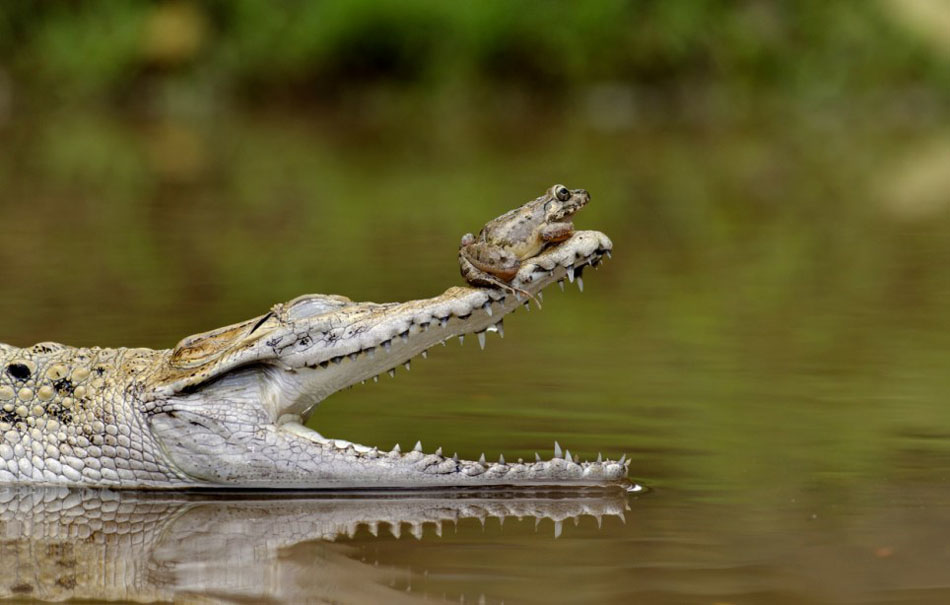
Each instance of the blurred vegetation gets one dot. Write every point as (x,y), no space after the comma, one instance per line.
(134,52)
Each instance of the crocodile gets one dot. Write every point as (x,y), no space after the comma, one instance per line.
(228,408)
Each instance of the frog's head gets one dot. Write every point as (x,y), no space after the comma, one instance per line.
(561,203)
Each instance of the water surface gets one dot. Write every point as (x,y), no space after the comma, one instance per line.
(769,344)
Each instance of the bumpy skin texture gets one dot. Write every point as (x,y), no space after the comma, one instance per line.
(227,407)
(76,416)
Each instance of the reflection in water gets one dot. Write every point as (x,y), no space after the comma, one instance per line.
(58,544)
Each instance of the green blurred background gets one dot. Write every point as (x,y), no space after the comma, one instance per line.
(775,176)
(773,328)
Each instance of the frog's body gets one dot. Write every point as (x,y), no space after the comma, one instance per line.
(494,256)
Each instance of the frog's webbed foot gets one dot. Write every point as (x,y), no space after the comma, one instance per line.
(518,292)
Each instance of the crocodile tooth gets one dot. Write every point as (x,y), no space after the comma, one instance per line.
(387,345)
(425,354)
(567,456)
(404,336)
(481,339)
(622,459)
(570,274)
(487,307)
(461,339)
(558,526)
(443,321)
(560,283)
(407,365)
(527,306)
(557,449)
(500,328)
(324,364)
(376,378)
(396,449)
(481,459)
(455,456)
(438,451)
(580,283)
(537,457)
(424,326)
(540,296)
(501,458)
(600,458)
(392,372)
(607,252)
(371,352)
(520,460)
(418,446)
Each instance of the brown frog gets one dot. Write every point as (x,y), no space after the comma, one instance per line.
(493,257)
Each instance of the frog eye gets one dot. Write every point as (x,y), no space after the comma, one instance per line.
(562,193)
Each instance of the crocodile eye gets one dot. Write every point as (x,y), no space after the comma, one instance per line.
(562,193)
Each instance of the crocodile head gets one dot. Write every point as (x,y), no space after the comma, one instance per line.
(229,406)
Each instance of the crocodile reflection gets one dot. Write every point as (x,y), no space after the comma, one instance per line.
(59,544)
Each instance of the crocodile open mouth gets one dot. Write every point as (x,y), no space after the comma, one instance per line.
(477,312)
(271,372)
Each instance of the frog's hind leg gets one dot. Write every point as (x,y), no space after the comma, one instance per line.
(478,276)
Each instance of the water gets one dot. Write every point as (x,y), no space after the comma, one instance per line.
(769,344)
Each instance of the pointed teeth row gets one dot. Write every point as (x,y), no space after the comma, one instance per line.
(404,335)
(562,466)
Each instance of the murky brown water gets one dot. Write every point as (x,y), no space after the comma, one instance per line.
(769,344)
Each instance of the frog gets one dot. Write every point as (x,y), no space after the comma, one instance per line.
(494,256)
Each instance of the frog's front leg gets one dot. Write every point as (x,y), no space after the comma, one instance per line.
(483,264)
(557,232)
